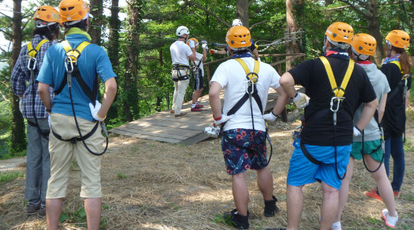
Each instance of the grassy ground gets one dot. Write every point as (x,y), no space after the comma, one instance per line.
(152,185)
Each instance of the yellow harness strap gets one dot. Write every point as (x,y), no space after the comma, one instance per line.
(249,74)
(339,92)
(73,54)
(398,64)
(32,52)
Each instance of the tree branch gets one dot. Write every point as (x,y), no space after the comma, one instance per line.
(5,32)
(258,23)
(355,7)
(337,8)
(5,15)
(209,12)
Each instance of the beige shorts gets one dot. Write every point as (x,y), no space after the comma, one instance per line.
(63,153)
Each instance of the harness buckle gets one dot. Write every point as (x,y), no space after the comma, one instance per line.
(31,64)
(69,64)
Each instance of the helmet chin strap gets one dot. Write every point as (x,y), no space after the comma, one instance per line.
(324,42)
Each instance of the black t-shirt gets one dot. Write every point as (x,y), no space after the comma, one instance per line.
(394,115)
(319,128)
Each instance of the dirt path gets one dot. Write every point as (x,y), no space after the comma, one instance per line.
(11,164)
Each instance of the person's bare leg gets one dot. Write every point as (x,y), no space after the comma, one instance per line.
(329,206)
(294,196)
(384,185)
(265,183)
(343,193)
(240,193)
(93,212)
(196,95)
(53,210)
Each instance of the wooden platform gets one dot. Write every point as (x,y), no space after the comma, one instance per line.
(187,130)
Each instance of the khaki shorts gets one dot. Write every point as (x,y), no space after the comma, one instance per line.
(63,153)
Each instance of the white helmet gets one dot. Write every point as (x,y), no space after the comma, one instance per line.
(237,22)
(181,30)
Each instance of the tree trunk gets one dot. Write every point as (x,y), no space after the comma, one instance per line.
(242,12)
(95,29)
(18,137)
(374,28)
(131,107)
(292,27)
(113,50)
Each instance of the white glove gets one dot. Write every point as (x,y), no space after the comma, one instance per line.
(95,109)
(203,42)
(223,119)
(213,51)
(48,120)
(191,43)
(204,46)
(269,117)
(301,100)
(356,132)
(258,58)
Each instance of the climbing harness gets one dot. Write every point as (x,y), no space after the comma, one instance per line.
(335,103)
(31,65)
(180,72)
(72,70)
(381,145)
(250,91)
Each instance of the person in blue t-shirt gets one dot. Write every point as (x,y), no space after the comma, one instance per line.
(75,102)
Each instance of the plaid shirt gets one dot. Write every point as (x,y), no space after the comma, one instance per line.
(22,84)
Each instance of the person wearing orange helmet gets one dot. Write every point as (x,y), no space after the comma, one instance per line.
(321,152)
(246,82)
(368,146)
(47,21)
(253,48)
(397,67)
(72,67)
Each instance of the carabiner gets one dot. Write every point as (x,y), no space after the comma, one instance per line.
(335,101)
(249,87)
(31,64)
(69,60)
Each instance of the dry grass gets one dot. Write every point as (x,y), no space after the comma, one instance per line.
(152,185)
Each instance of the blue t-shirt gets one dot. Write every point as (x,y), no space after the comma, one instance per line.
(93,60)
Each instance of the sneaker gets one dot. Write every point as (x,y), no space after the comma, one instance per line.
(32,208)
(336,226)
(270,207)
(42,211)
(180,115)
(199,106)
(196,109)
(390,221)
(237,221)
(373,194)
(172,111)
(396,194)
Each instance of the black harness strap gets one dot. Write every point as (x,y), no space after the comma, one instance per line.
(73,140)
(242,100)
(308,155)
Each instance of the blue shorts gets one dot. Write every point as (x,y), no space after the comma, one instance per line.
(239,160)
(302,171)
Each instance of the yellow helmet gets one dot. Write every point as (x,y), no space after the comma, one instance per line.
(364,44)
(195,41)
(73,10)
(398,38)
(46,14)
(340,32)
(238,37)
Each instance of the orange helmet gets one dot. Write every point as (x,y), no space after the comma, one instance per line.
(398,38)
(364,44)
(195,41)
(46,14)
(73,10)
(340,32)
(238,37)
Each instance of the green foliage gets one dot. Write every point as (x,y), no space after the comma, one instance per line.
(9,176)
(223,219)
(121,176)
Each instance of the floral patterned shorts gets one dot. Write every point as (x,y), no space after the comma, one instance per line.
(239,159)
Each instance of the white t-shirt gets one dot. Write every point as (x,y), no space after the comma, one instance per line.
(232,78)
(199,57)
(180,53)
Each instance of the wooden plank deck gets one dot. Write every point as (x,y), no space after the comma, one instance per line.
(187,130)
